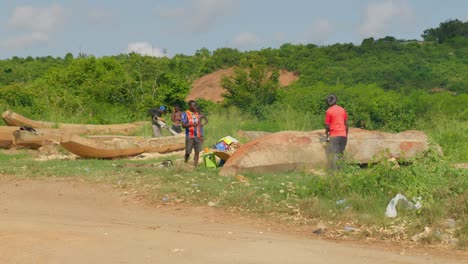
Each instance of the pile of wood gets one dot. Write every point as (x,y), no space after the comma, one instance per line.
(27,133)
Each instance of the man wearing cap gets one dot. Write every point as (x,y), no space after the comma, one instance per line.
(156,114)
(336,129)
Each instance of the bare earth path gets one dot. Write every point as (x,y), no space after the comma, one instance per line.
(50,221)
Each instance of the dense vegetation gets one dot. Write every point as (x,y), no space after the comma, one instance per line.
(386,84)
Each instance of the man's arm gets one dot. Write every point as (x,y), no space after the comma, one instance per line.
(185,123)
(327,125)
(203,118)
(347,127)
(327,131)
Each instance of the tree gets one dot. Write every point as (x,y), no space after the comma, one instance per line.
(446,30)
(252,87)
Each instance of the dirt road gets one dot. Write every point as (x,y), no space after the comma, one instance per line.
(71,222)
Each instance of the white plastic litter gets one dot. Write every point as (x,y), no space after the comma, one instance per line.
(391,207)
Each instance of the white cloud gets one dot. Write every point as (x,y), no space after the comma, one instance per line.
(319,31)
(199,15)
(25,40)
(37,22)
(246,39)
(145,48)
(37,19)
(379,17)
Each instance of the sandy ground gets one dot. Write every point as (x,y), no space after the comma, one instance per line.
(62,221)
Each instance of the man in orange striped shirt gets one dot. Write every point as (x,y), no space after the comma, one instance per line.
(191,121)
(336,128)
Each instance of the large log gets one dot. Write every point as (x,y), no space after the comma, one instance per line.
(7,139)
(11,136)
(115,147)
(291,150)
(13,119)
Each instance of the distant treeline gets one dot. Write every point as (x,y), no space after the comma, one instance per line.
(385,73)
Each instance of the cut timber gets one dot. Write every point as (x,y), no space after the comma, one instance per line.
(153,145)
(165,144)
(13,119)
(365,146)
(34,140)
(115,147)
(291,150)
(90,148)
(15,137)
(7,139)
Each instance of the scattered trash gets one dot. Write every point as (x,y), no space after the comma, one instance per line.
(242,178)
(211,204)
(194,185)
(426,233)
(394,163)
(452,241)
(451,223)
(86,169)
(175,250)
(391,207)
(165,199)
(167,163)
(342,201)
(350,228)
(319,231)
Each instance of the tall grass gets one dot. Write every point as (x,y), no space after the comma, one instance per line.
(449,133)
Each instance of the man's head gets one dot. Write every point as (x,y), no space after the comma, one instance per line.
(331,99)
(162,108)
(176,108)
(192,106)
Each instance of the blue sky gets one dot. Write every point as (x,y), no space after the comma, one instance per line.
(105,27)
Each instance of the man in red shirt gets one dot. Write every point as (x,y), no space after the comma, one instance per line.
(336,127)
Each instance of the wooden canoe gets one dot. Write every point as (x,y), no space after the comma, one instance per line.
(120,147)
(13,119)
(11,137)
(7,139)
(295,151)
(165,144)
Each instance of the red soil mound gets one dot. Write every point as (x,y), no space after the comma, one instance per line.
(209,87)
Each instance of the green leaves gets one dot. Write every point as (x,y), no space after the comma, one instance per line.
(253,87)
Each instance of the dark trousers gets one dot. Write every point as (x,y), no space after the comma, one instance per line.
(336,147)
